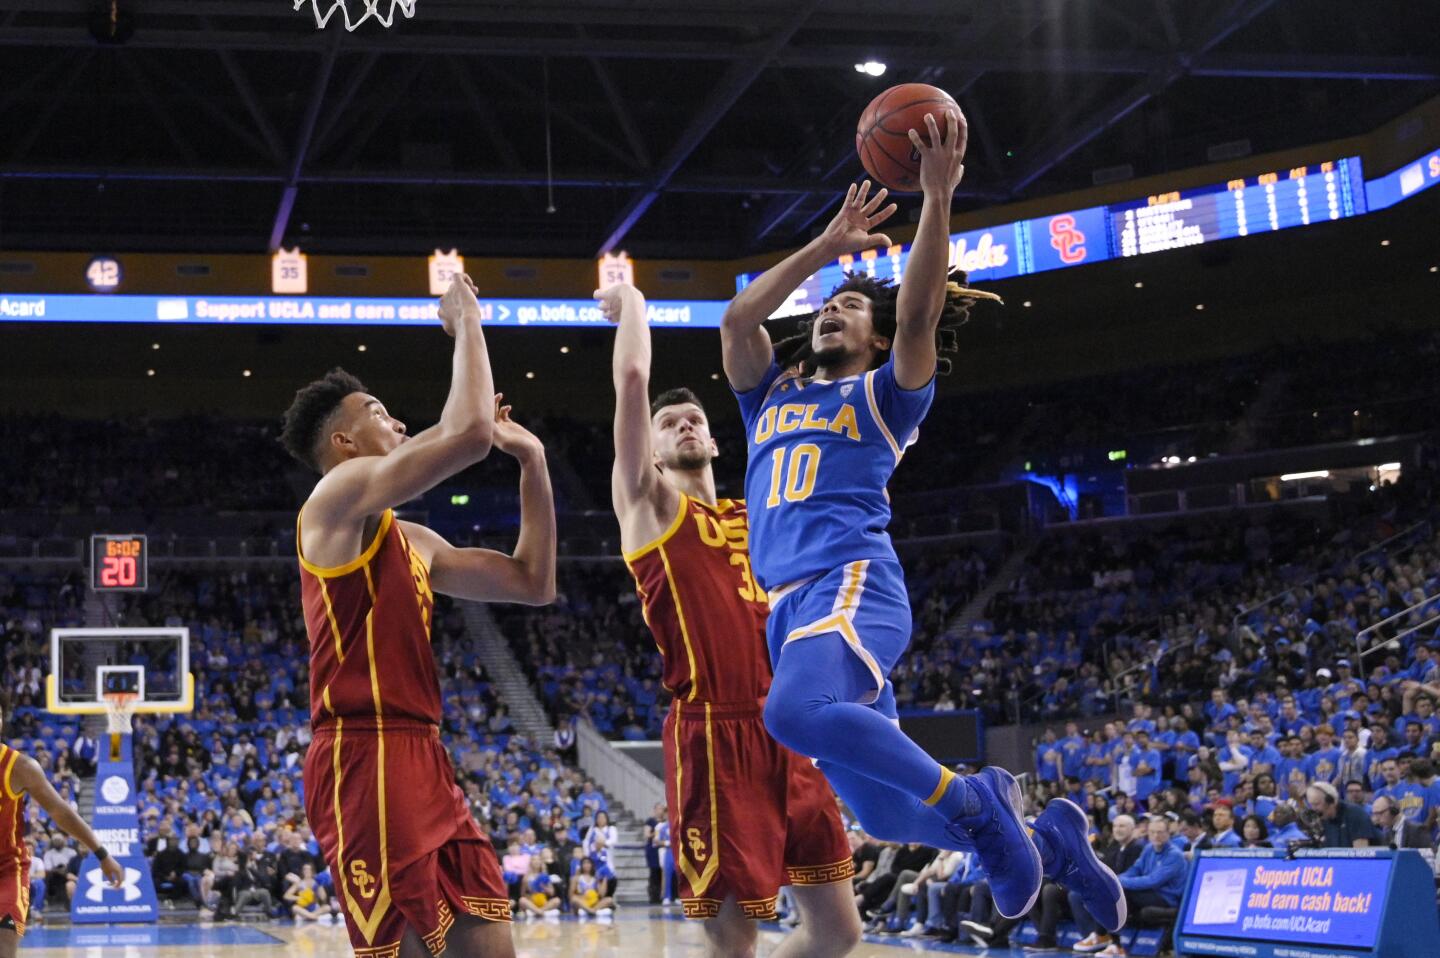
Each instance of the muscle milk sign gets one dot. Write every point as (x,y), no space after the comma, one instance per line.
(117,824)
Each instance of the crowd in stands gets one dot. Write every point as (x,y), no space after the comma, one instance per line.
(590,653)
(220,789)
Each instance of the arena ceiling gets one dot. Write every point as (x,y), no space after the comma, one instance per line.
(677,128)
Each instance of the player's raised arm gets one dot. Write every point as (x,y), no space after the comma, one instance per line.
(746,344)
(28,776)
(634,477)
(526,575)
(368,484)
(922,294)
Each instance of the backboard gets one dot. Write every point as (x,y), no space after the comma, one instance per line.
(151,663)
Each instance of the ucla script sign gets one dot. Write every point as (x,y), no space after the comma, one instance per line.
(1324,903)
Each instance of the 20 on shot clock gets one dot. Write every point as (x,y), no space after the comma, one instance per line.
(119,563)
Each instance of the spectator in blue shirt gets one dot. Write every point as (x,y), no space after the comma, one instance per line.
(1263,756)
(1285,830)
(1324,764)
(1218,710)
(1407,795)
(1223,817)
(1156,879)
(1072,747)
(1049,758)
(1147,766)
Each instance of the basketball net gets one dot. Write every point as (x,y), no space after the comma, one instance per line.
(119,709)
(372,9)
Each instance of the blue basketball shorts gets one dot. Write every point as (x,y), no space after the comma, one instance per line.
(865,602)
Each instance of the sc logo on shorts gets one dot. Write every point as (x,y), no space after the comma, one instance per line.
(364,881)
(696,843)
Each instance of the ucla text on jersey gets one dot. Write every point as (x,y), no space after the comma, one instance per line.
(821,454)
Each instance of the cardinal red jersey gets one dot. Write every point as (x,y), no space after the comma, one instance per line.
(14,852)
(369,626)
(380,794)
(746,814)
(709,617)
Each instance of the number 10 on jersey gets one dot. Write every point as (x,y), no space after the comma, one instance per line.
(797,480)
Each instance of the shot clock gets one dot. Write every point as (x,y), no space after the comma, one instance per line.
(118,563)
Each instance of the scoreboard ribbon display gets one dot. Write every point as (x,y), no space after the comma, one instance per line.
(319,310)
(1323,903)
(1258,204)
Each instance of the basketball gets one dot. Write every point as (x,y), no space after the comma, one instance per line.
(883,141)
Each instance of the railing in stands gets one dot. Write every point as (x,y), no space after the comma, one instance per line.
(1394,642)
(1417,533)
(617,774)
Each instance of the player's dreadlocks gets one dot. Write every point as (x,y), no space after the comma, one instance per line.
(796,350)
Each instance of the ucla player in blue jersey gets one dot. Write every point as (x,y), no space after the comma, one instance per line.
(828,414)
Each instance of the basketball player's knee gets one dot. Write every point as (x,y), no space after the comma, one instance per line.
(788,719)
(730,937)
(842,937)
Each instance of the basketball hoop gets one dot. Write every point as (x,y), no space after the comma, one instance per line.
(372,9)
(119,709)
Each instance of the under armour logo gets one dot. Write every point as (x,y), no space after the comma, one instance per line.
(364,881)
(696,843)
(96,888)
(1067,240)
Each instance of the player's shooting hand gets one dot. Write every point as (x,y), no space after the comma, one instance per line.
(459,301)
(850,230)
(942,159)
(512,438)
(614,299)
(114,874)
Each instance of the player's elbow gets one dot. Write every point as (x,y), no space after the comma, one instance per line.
(472,439)
(631,375)
(541,593)
(537,586)
(737,319)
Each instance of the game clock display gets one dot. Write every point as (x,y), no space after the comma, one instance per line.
(118,563)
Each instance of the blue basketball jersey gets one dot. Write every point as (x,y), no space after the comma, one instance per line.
(820,455)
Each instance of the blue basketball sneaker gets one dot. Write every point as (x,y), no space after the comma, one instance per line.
(1062,833)
(1002,842)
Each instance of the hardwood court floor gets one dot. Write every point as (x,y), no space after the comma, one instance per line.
(633,933)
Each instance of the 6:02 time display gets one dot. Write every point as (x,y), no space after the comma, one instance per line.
(118,563)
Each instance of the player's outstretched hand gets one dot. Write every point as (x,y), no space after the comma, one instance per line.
(461,298)
(114,873)
(614,299)
(850,230)
(942,159)
(512,438)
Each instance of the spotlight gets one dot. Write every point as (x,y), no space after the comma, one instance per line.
(149,372)
(529,375)
(245,373)
(1140,285)
(1026,304)
(564,349)
(872,68)
(361,348)
(1200,307)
